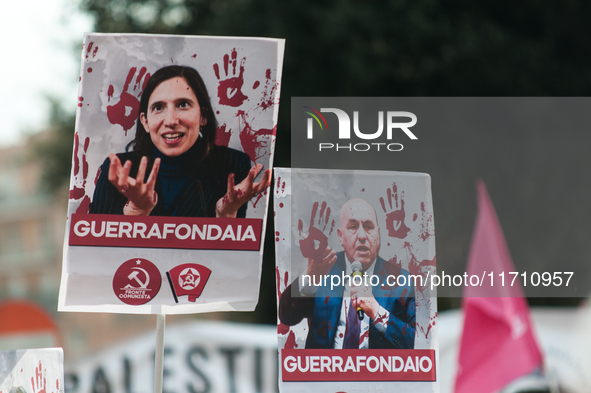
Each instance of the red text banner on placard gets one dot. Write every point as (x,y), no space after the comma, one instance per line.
(165,232)
(312,365)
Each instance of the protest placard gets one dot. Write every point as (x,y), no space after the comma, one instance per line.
(182,229)
(354,252)
(32,371)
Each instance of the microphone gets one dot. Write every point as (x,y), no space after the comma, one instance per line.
(356,267)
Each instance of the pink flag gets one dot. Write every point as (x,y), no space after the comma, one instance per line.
(498,343)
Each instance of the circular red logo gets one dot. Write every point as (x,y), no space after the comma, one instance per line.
(137,281)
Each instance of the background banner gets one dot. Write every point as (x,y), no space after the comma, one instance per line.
(384,220)
(147,96)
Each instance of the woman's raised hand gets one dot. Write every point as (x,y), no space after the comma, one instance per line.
(238,195)
(141,197)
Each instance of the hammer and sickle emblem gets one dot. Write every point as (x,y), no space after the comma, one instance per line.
(134,276)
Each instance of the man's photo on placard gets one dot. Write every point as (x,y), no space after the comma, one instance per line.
(341,314)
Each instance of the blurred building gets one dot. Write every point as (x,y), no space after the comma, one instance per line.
(31,231)
(32,227)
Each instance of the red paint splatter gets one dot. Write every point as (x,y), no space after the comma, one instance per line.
(422,268)
(285,278)
(230,88)
(269,92)
(332,227)
(89,69)
(426,333)
(364,336)
(84,205)
(363,190)
(110,92)
(307,245)
(276,233)
(326,300)
(300,226)
(426,230)
(76,162)
(255,85)
(281,204)
(77,193)
(88,49)
(139,78)
(126,111)
(255,143)
(278,281)
(341,335)
(315,235)
(79,105)
(258,198)
(194,56)
(380,319)
(290,343)
(313,214)
(94,51)
(80,98)
(38,381)
(84,162)
(322,209)
(277,239)
(395,218)
(222,137)
(282,328)
(414,217)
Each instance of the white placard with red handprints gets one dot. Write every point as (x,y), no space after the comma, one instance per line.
(242,77)
(32,371)
(307,205)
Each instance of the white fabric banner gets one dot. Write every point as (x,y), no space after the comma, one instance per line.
(32,371)
(325,220)
(198,357)
(204,111)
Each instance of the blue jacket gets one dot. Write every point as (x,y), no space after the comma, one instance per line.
(323,310)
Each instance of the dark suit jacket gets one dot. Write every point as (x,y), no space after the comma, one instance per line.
(207,182)
(324,309)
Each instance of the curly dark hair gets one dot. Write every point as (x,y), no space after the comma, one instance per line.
(143,142)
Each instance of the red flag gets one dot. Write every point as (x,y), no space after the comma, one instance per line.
(188,279)
(498,343)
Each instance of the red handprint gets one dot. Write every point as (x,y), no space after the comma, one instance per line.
(230,88)
(126,111)
(315,244)
(89,49)
(255,143)
(395,218)
(38,380)
(222,135)
(78,189)
(269,96)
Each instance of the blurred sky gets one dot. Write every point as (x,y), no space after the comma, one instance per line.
(41,46)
